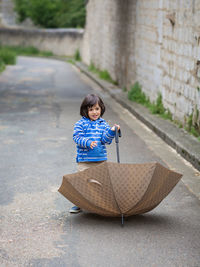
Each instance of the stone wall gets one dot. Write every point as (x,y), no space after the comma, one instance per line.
(154,42)
(60,41)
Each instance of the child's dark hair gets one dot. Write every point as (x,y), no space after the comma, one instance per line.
(88,102)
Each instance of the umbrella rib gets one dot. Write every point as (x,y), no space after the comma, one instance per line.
(145,191)
(92,204)
(114,193)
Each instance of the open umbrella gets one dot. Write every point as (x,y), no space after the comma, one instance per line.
(119,189)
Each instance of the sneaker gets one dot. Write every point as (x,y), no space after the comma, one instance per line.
(75,209)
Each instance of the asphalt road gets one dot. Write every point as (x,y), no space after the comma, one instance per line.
(39,104)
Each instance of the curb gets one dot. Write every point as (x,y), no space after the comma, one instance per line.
(185,144)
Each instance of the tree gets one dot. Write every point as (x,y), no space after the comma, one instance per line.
(52,13)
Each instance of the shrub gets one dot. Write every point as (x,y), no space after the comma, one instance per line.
(135,94)
(22,7)
(77,55)
(2,65)
(103,74)
(158,108)
(52,13)
(7,56)
(71,14)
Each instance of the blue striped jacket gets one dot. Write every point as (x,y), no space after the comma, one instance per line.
(87,131)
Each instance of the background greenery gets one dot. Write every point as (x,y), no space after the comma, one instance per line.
(52,13)
(137,95)
(8,54)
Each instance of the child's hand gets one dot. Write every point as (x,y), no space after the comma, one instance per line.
(115,125)
(93,144)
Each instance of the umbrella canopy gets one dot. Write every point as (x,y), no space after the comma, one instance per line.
(118,189)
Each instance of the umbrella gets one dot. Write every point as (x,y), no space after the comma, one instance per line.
(119,189)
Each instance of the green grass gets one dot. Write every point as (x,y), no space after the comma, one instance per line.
(77,55)
(192,129)
(8,54)
(29,51)
(135,94)
(2,65)
(103,74)
(92,68)
(71,60)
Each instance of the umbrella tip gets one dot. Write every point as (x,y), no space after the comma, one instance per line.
(122,220)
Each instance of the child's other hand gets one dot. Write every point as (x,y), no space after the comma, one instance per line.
(93,144)
(115,125)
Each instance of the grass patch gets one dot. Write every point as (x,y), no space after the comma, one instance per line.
(157,107)
(92,68)
(77,55)
(71,61)
(28,51)
(191,127)
(8,54)
(2,65)
(136,95)
(103,74)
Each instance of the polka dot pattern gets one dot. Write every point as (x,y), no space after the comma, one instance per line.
(112,189)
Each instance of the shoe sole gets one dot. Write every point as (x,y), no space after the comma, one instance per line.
(75,211)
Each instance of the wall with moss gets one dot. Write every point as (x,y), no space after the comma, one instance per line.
(154,42)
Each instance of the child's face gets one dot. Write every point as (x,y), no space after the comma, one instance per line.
(94,112)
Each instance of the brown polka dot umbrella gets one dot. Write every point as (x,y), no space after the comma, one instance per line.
(118,189)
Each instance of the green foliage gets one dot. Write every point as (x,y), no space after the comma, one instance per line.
(192,127)
(52,13)
(71,61)
(2,65)
(27,51)
(92,68)
(189,123)
(157,107)
(77,55)
(21,7)
(194,132)
(135,94)
(71,13)
(103,74)
(43,12)
(7,56)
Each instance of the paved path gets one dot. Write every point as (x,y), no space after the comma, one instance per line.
(39,104)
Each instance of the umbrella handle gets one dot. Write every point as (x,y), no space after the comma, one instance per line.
(117,135)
